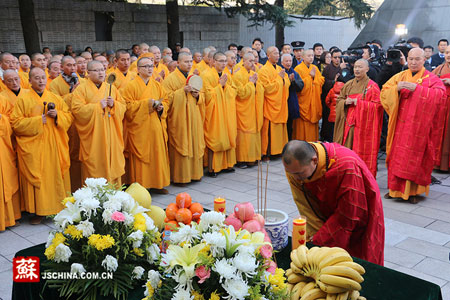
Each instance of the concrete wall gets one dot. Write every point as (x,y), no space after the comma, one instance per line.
(62,22)
(329,33)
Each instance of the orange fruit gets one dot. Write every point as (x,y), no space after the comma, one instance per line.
(196,210)
(184,200)
(171,225)
(171,211)
(184,215)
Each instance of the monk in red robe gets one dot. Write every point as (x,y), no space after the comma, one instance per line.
(336,192)
(443,72)
(359,116)
(412,99)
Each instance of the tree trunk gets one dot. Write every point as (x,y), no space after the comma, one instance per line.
(29,26)
(279,29)
(173,23)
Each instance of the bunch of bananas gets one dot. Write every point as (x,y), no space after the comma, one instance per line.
(324,273)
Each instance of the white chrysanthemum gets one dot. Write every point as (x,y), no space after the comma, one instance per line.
(70,214)
(128,202)
(50,239)
(245,263)
(217,242)
(106,215)
(112,205)
(225,269)
(149,222)
(83,193)
(62,253)
(90,205)
(211,218)
(246,249)
(95,183)
(153,253)
(166,258)
(237,289)
(184,282)
(77,268)
(136,237)
(154,278)
(110,263)
(182,295)
(185,233)
(129,219)
(138,272)
(86,227)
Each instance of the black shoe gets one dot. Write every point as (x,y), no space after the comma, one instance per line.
(229,170)
(212,174)
(434,180)
(242,165)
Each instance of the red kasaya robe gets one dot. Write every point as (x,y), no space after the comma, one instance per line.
(348,211)
(414,132)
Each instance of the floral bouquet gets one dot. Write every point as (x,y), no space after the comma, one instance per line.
(101,230)
(211,260)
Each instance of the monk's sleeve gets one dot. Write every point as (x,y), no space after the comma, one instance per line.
(65,118)
(137,110)
(319,80)
(270,86)
(244,91)
(22,125)
(389,96)
(82,111)
(120,105)
(350,216)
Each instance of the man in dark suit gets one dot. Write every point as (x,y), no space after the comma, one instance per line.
(297,46)
(439,57)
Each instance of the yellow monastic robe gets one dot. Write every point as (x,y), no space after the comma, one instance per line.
(100,131)
(61,88)
(220,120)
(158,69)
(276,92)
(185,130)
(9,181)
(121,79)
(24,79)
(12,98)
(249,115)
(201,67)
(133,66)
(306,127)
(229,72)
(147,143)
(42,152)
(239,65)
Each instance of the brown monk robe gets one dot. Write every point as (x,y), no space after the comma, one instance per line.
(443,72)
(64,85)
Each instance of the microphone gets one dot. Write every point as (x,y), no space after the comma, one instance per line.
(74,79)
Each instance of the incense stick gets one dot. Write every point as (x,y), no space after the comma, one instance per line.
(265,194)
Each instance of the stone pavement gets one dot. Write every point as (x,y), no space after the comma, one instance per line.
(417,236)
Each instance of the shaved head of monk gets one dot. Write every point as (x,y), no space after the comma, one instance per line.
(308,56)
(416,59)
(38,60)
(12,80)
(68,65)
(25,62)
(38,80)
(7,61)
(273,54)
(185,61)
(361,68)
(299,159)
(96,72)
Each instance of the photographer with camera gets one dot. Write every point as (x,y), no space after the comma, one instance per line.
(372,55)
(395,62)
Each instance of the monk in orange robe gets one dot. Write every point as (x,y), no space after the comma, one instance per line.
(104,61)
(81,66)
(231,63)
(147,136)
(64,85)
(197,58)
(54,70)
(12,87)
(220,117)
(38,60)
(42,147)
(249,113)
(160,71)
(25,64)
(203,66)
(122,70)
(185,111)
(143,50)
(276,92)
(359,116)
(98,117)
(443,72)
(7,62)
(306,127)
(412,99)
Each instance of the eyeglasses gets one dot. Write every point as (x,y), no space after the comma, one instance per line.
(97,70)
(147,66)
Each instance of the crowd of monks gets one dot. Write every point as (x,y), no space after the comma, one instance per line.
(153,120)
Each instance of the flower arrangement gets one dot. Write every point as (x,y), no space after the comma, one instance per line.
(101,230)
(212,261)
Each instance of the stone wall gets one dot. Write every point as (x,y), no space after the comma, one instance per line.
(62,22)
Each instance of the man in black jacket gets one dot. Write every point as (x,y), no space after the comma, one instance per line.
(439,57)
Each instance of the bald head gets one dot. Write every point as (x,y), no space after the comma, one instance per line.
(361,68)
(68,65)
(38,80)
(144,48)
(25,62)
(172,66)
(205,52)
(299,159)
(11,80)
(185,49)
(273,54)
(416,59)
(38,60)
(308,56)
(7,61)
(231,58)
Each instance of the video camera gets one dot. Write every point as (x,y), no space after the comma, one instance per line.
(394,52)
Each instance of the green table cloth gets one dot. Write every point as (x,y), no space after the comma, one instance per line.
(380,283)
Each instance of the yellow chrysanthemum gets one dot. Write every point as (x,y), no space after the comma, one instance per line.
(101,242)
(214,296)
(73,232)
(58,239)
(150,290)
(278,280)
(139,222)
(197,295)
(68,199)
(50,252)
(205,250)
(138,251)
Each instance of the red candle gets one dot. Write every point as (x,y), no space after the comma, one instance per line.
(220,205)
(298,232)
